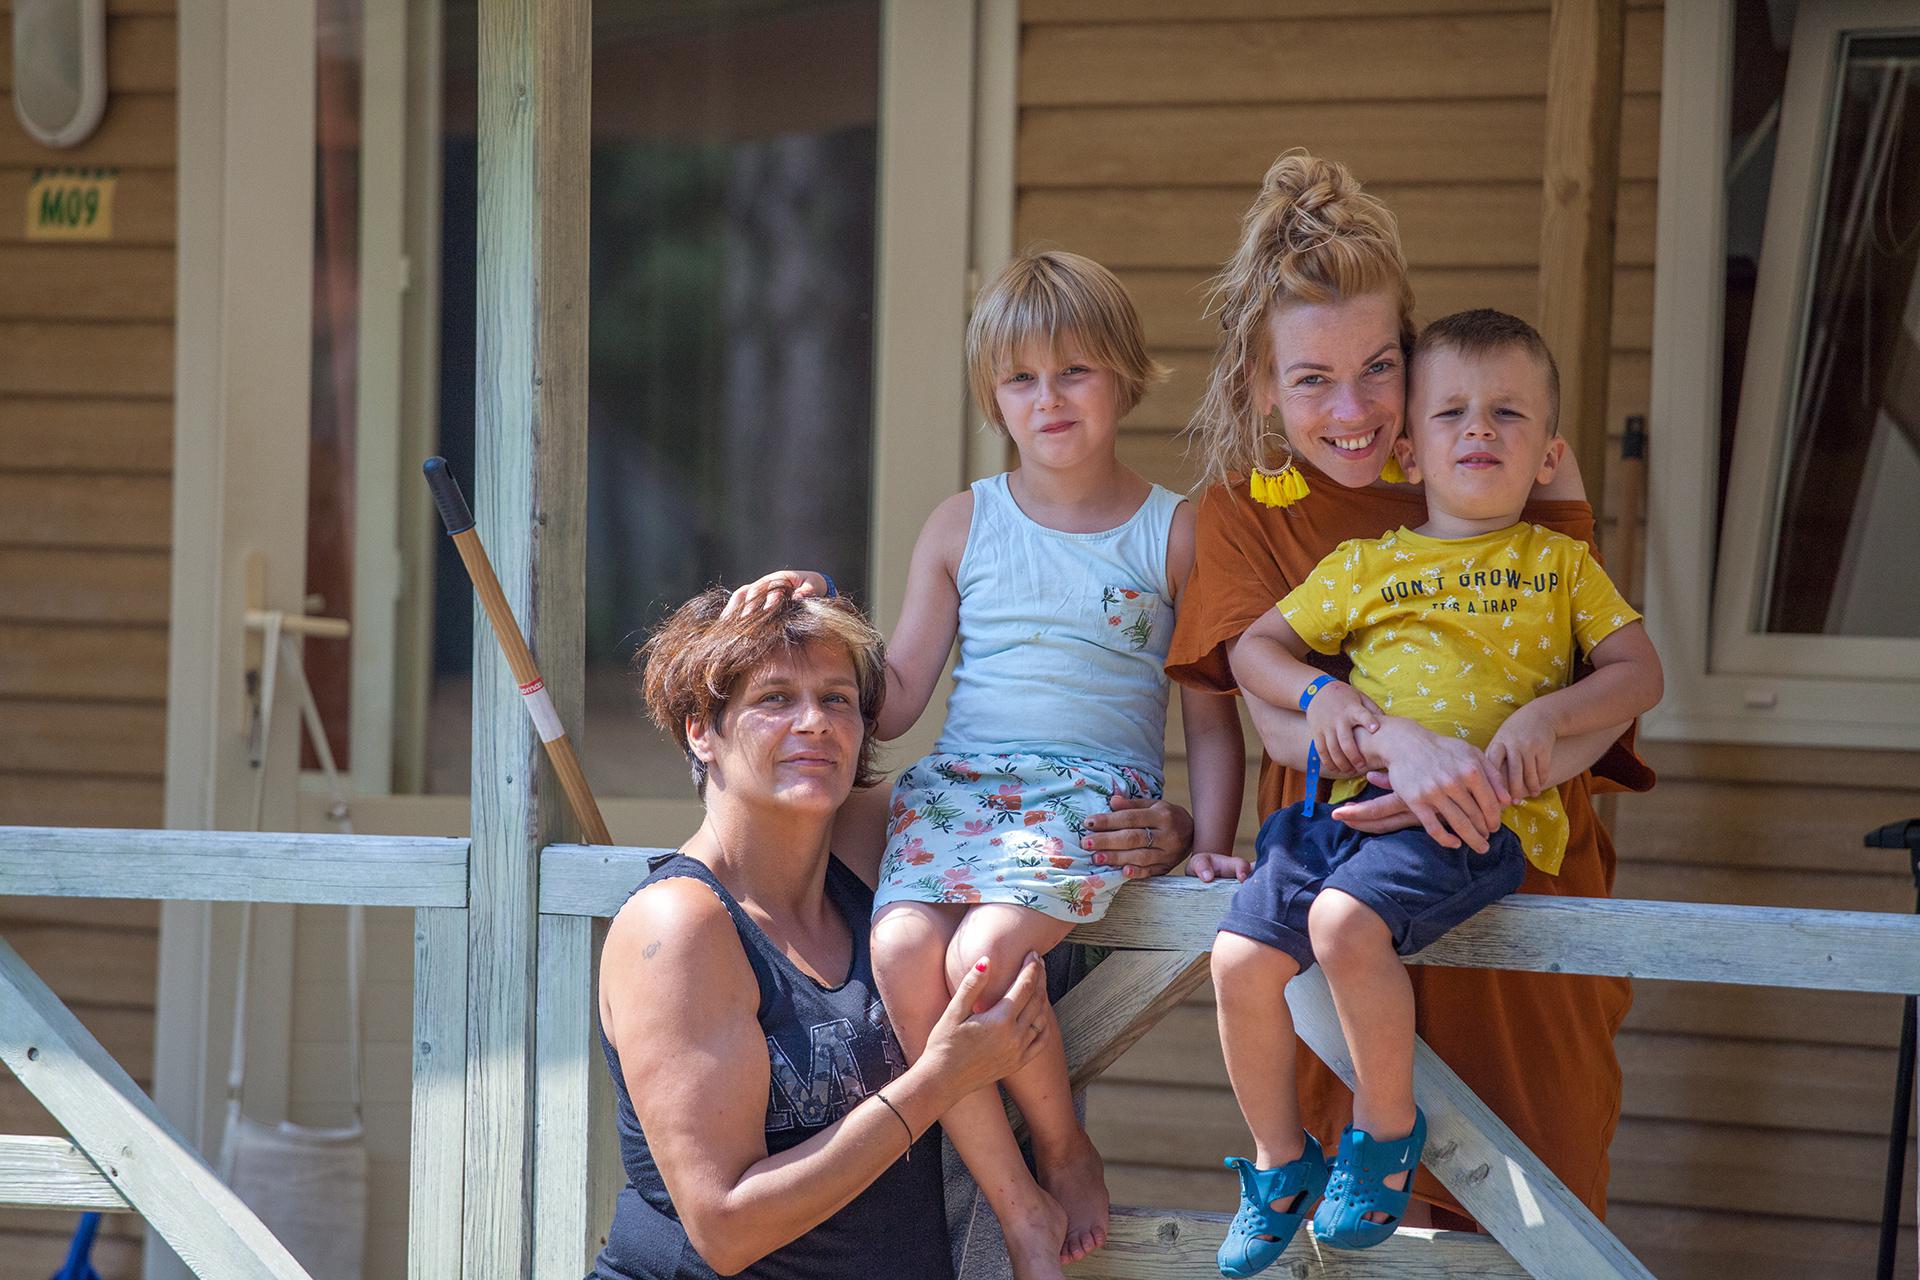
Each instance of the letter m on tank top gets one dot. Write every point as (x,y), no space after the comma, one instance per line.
(820,1090)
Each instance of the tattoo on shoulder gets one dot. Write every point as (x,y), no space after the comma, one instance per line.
(647,952)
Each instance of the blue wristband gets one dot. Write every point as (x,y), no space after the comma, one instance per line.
(1313,749)
(1306,694)
(832,590)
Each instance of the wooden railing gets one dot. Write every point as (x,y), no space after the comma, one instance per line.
(124,1155)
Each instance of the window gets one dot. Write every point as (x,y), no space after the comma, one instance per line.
(1787,309)
(730,368)
(780,197)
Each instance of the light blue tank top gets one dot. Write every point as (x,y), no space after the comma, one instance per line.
(1063,636)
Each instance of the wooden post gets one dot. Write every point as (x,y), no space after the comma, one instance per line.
(530,497)
(577,1171)
(1585,46)
(438,1116)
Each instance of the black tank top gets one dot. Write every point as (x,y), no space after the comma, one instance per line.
(829,1048)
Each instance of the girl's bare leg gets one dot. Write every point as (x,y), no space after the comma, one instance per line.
(1374,998)
(911,943)
(1069,1168)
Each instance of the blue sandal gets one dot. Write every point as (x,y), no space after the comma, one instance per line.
(1356,1187)
(1297,1182)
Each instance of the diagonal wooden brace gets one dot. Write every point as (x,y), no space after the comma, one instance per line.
(1120,1001)
(127,1138)
(1546,1228)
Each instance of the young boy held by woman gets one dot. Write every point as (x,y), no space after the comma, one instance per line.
(1468,624)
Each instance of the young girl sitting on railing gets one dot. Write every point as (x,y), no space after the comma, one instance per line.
(1060,578)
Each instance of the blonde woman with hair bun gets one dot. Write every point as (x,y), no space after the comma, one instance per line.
(1303,404)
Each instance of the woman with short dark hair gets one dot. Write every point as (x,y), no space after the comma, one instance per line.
(768,1121)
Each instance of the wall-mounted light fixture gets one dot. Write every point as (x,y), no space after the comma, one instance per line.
(59,68)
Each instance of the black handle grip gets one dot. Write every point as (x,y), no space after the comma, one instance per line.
(454,512)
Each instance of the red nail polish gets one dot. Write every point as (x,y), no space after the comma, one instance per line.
(981,964)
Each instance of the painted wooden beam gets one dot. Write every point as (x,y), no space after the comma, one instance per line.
(1147,1244)
(52,1173)
(140,1152)
(233,866)
(576,1152)
(1682,941)
(1585,48)
(438,1117)
(591,879)
(1685,941)
(535,69)
(1544,1226)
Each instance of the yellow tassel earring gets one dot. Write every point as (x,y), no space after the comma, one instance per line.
(1393,473)
(1277,488)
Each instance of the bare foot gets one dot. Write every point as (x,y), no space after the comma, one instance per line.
(1033,1235)
(1078,1180)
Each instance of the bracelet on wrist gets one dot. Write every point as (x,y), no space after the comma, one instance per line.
(1313,749)
(1314,686)
(886,1102)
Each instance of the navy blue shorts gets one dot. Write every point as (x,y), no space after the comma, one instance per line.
(1419,887)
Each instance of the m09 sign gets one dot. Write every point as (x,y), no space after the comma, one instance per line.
(71,204)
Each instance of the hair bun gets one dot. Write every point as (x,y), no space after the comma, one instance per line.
(1305,199)
(1311,235)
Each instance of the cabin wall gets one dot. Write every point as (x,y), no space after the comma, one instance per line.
(86,453)
(1754,1121)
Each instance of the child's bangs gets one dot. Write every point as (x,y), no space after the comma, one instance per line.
(1057,322)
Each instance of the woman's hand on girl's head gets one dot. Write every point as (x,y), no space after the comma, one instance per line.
(766,593)
(970,1049)
(1447,783)
(1142,837)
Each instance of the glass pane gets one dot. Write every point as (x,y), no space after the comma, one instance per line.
(730,376)
(1846,533)
(1762,37)
(334,398)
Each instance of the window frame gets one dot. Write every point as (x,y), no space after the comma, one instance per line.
(1726,681)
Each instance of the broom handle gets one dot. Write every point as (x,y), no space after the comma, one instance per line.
(455,514)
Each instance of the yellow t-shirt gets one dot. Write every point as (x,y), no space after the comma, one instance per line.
(1457,633)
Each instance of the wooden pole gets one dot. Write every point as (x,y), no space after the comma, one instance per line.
(533,687)
(1585,47)
(530,492)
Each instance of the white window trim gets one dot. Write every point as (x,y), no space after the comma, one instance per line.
(242,374)
(1748,690)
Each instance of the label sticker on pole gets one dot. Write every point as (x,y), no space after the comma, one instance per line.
(546,721)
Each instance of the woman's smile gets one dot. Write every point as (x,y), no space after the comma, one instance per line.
(1356,446)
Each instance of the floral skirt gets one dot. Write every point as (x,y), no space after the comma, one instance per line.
(1004,828)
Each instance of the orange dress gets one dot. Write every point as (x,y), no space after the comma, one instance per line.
(1537,1048)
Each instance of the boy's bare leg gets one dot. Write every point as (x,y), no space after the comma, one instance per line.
(1069,1168)
(1256,1038)
(1374,998)
(910,945)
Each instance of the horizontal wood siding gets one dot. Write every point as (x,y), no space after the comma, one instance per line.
(86,445)
(1754,1123)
